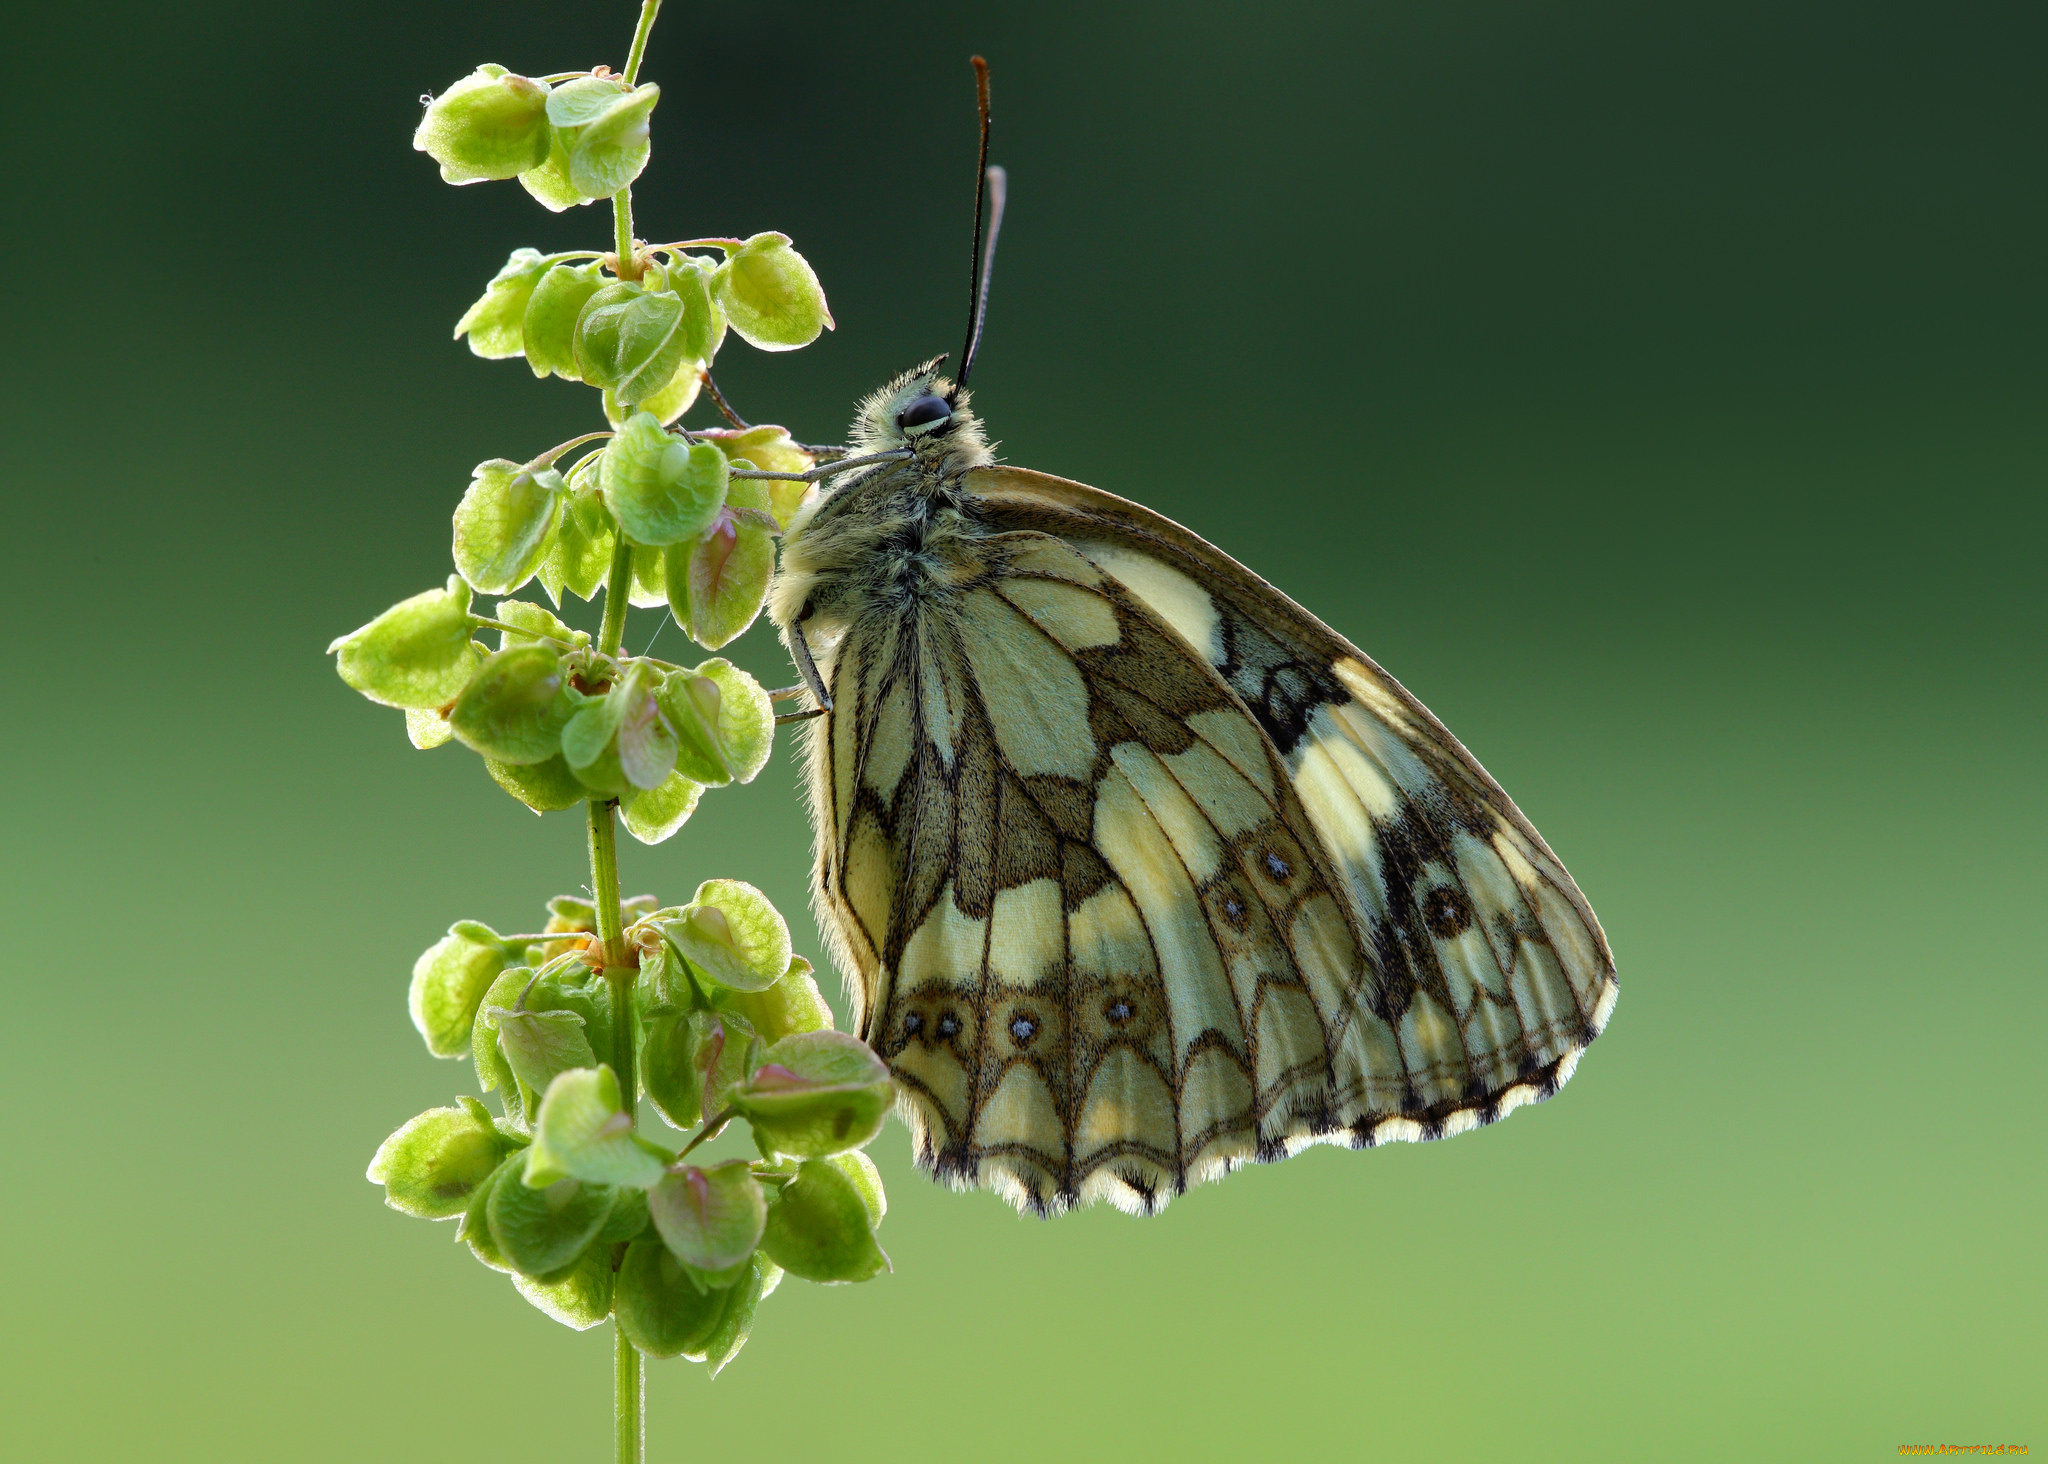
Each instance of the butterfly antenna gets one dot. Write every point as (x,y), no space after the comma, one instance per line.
(992,183)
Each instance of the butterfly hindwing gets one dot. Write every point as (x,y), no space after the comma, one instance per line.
(1142,877)
(1472,921)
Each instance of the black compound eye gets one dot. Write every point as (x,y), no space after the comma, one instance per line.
(924,414)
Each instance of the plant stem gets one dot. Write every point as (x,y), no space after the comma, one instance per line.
(628,1369)
(622,233)
(616,589)
(629,1415)
(648,10)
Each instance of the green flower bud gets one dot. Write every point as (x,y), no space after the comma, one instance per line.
(718,583)
(548,326)
(448,983)
(772,450)
(504,522)
(652,815)
(434,1164)
(416,654)
(867,1179)
(770,295)
(580,556)
(621,741)
(540,1046)
(686,1055)
(604,129)
(660,489)
(515,707)
(628,339)
(495,324)
(550,183)
(710,1219)
(490,124)
(793,1004)
(544,787)
(661,1309)
(816,1093)
(583,1132)
(581,1299)
(541,1230)
(724,722)
(818,1227)
(733,935)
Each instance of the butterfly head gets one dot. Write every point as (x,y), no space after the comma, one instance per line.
(925,412)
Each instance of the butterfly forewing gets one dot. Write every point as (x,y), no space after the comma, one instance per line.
(1144,873)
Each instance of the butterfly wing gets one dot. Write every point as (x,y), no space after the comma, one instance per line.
(1144,873)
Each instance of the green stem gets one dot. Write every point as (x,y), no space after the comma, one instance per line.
(628,1369)
(622,234)
(629,1412)
(616,590)
(648,10)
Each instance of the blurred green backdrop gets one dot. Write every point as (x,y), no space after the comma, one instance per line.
(1657,390)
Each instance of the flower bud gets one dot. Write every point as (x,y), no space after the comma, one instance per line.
(548,326)
(628,339)
(818,1227)
(540,1046)
(543,1229)
(416,654)
(515,707)
(662,1311)
(685,1055)
(660,489)
(733,935)
(603,128)
(620,741)
(434,1164)
(583,1131)
(724,722)
(504,522)
(490,124)
(495,323)
(718,584)
(770,295)
(710,1219)
(772,450)
(448,983)
(815,1094)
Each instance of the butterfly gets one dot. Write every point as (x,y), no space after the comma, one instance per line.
(1138,871)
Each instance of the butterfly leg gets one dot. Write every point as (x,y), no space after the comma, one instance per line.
(812,680)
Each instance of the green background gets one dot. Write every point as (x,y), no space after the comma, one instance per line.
(1657,390)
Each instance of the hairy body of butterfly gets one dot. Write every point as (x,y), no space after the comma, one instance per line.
(1136,870)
